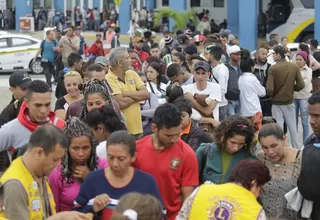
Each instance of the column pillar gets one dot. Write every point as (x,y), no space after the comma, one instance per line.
(96,4)
(316,20)
(233,16)
(90,4)
(176,5)
(248,24)
(150,4)
(124,16)
(24,7)
(85,4)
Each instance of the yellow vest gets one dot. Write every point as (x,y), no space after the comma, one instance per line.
(18,171)
(224,202)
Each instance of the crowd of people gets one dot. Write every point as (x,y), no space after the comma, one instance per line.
(191,127)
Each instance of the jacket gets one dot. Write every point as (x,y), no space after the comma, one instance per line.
(4,116)
(97,49)
(283,79)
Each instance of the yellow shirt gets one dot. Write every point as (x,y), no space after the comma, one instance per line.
(224,202)
(132,83)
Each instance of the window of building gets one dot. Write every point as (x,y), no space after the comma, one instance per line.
(165,2)
(218,3)
(19,42)
(195,3)
(308,3)
(47,4)
(3,43)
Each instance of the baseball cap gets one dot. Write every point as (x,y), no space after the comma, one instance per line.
(20,79)
(137,39)
(101,60)
(233,49)
(202,64)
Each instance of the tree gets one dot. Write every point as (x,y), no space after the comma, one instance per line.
(180,17)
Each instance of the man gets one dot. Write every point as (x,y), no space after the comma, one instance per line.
(103,61)
(176,75)
(115,39)
(35,111)
(48,50)
(18,82)
(283,79)
(69,44)
(97,47)
(142,55)
(77,33)
(274,37)
(316,73)
(183,40)
(155,50)
(168,159)
(261,72)
(26,192)
(314,112)
(75,63)
(232,95)
(128,89)
(203,95)
(220,75)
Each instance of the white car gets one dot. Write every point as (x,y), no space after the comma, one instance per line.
(17,52)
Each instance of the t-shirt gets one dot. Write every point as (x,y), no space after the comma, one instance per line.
(173,168)
(96,184)
(101,150)
(212,89)
(48,52)
(61,104)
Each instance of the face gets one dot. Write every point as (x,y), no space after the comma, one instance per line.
(175,78)
(71,84)
(78,66)
(95,100)
(200,75)
(314,112)
(235,57)
(80,150)
(133,58)
(119,158)
(276,57)
(185,119)
(173,52)
(224,40)
(284,41)
(18,92)
(70,33)
(300,61)
(155,52)
(138,45)
(77,32)
(52,35)
(39,106)
(276,38)
(152,74)
(273,147)
(50,161)
(167,136)
(98,38)
(98,75)
(125,62)
(235,143)
(176,60)
(262,55)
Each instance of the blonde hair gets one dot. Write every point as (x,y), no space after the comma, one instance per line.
(73,73)
(147,207)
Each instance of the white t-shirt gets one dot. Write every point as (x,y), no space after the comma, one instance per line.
(213,90)
(101,150)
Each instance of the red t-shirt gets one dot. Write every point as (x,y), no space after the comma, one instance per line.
(173,168)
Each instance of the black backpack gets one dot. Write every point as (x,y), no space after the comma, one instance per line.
(233,92)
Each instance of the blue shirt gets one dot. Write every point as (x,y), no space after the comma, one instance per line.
(48,52)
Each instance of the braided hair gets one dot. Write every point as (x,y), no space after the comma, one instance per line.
(77,128)
(91,87)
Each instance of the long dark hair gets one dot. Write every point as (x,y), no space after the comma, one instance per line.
(157,67)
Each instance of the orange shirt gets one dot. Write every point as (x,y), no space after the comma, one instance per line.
(173,168)
(186,130)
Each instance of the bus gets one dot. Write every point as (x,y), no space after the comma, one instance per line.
(291,18)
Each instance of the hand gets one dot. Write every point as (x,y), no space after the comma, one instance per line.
(100,202)
(81,172)
(71,216)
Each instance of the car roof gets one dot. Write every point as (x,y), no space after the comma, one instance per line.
(8,35)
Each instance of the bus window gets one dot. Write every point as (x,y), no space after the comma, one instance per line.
(308,3)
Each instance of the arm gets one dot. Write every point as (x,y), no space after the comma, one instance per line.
(205,110)
(140,95)
(6,137)
(15,201)
(299,81)
(124,102)
(153,105)
(59,109)
(37,54)
(261,91)
(223,77)
(55,185)
(270,82)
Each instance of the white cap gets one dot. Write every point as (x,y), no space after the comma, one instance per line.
(233,49)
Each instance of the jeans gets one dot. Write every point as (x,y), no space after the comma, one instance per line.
(302,106)
(48,70)
(286,113)
(234,107)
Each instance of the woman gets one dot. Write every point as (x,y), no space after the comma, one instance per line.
(176,50)
(101,190)
(284,42)
(138,206)
(301,97)
(71,81)
(284,164)
(313,63)
(180,59)
(79,160)
(103,121)
(148,108)
(236,199)
(154,84)
(233,141)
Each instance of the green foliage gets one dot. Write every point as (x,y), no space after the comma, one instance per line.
(180,17)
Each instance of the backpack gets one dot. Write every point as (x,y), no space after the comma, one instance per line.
(42,46)
(233,92)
